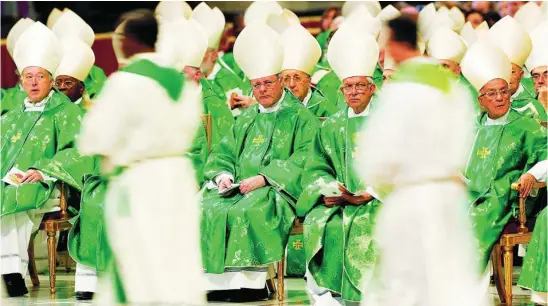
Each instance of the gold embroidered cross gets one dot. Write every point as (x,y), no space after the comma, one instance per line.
(483,152)
(16,137)
(258,140)
(298,245)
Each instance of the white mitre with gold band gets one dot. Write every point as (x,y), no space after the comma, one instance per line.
(259,11)
(259,51)
(72,25)
(13,35)
(362,21)
(27,54)
(172,10)
(211,21)
(350,56)
(539,54)
(373,7)
(77,60)
(445,44)
(301,49)
(388,13)
(53,17)
(512,38)
(280,22)
(529,15)
(485,62)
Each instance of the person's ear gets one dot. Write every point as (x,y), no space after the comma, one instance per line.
(373,87)
(521,73)
(82,88)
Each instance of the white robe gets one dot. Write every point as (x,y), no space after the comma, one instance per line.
(151,209)
(410,151)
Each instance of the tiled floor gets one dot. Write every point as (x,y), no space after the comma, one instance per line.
(295,294)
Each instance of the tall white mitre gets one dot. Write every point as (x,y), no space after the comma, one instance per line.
(258,51)
(484,62)
(13,35)
(373,7)
(172,10)
(470,35)
(388,13)
(349,56)
(512,38)
(70,24)
(440,20)
(280,22)
(301,49)
(77,59)
(362,21)
(539,54)
(184,42)
(259,11)
(445,44)
(53,17)
(38,47)
(212,21)
(426,15)
(529,15)
(458,18)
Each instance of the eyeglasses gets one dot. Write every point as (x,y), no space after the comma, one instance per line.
(29,78)
(359,87)
(492,94)
(537,76)
(297,79)
(266,84)
(66,83)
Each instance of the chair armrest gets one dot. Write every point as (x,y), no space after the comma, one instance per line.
(522,214)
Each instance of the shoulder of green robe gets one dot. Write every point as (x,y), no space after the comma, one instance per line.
(525,123)
(428,74)
(336,118)
(61,104)
(168,78)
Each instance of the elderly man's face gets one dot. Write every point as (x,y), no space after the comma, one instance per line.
(210,57)
(296,81)
(358,91)
(267,90)
(495,98)
(386,75)
(37,83)
(71,87)
(451,65)
(475,19)
(192,73)
(540,77)
(515,79)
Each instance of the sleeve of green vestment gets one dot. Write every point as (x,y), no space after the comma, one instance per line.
(198,154)
(285,175)
(535,144)
(67,164)
(222,157)
(318,171)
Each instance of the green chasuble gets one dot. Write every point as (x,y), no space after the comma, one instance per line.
(529,85)
(221,116)
(500,155)
(525,103)
(250,230)
(473,92)
(319,105)
(11,98)
(198,154)
(228,58)
(533,273)
(226,80)
(95,80)
(43,141)
(338,240)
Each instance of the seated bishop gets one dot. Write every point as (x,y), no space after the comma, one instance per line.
(506,145)
(255,172)
(340,209)
(38,152)
(537,63)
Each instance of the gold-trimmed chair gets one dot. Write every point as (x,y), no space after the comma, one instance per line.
(207,121)
(503,253)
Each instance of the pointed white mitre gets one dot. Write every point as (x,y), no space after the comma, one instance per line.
(445,44)
(280,22)
(373,7)
(77,59)
(388,13)
(53,17)
(301,49)
(18,28)
(485,62)
(529,15)
(172,10)
(258,51)
(539,54)
(421,44)
(352,53)
(470,35)
(39,47)
(512,38)
(259,11)
(212,21)
(184,42)
(72,25)
(440,20)
(426,15)
(458,18)
(362,21)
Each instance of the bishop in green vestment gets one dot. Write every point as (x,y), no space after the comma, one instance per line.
(94,81)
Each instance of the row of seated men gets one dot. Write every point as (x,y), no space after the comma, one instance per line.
(285,161)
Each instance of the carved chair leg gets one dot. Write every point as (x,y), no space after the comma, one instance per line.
(52,261)
(508,269)
(496,258)
(32,263)
(68,262)
(281,289)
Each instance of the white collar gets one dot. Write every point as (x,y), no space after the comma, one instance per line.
(500,121)
(216,69)
(77,102)
(308,96)
(274,108)
(518,92)
(352,114)
(38,106)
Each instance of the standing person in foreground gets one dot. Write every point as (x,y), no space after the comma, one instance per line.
(413,164)
(143,144)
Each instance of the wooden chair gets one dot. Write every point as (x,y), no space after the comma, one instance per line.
(206,120)
(51,223)
(504,249)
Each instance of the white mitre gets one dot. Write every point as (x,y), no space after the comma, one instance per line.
(470,35)
(458,18)
(77,60)
(172,10)
(362,21)
(184,42)
(53,17)
(426,15)
(445,44)
(38,47)
(388,13)
(529,15)
(212,21)
(301,49)
(512,38)
(13,35)
(280,22)
(539,54)
(259,11)
(484,62)
(72,25)
(373,7)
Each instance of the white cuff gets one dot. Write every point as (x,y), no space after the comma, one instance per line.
(540,171)
(373,193)
(46,177)
(223,175)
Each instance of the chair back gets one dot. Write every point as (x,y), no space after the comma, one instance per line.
(63,200)
(206,120)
